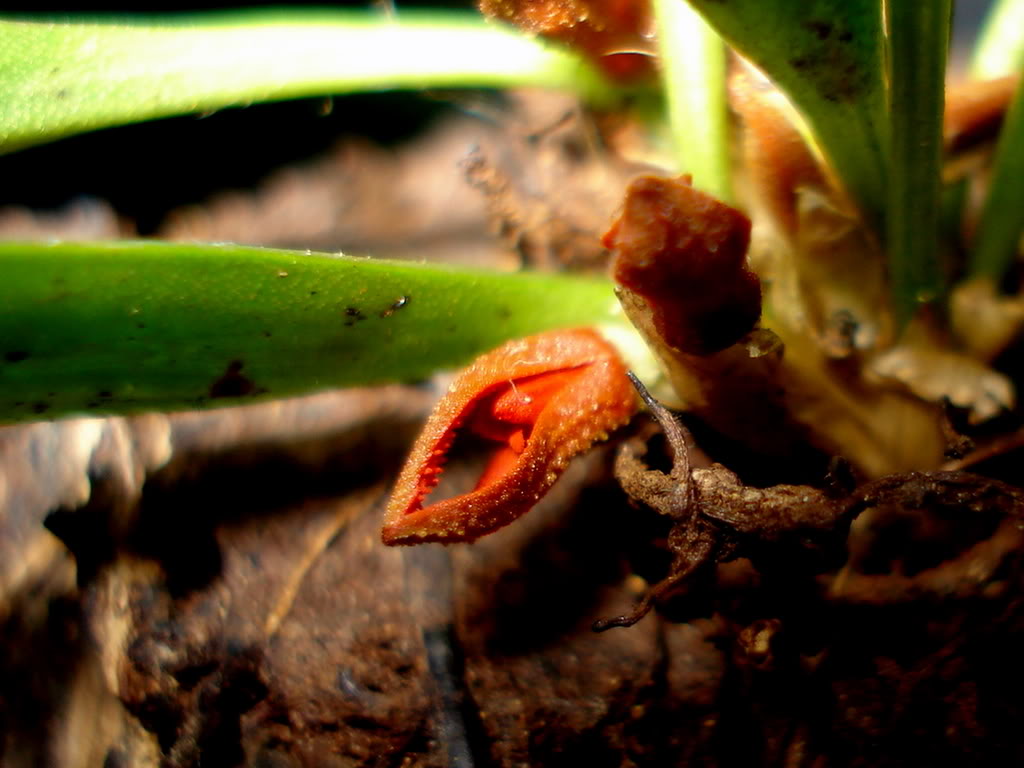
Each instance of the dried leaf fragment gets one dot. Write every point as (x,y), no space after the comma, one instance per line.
(542,400)
(684,253)
(685,284)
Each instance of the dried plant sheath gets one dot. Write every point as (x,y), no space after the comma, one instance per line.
(777,159)
(683,281)
(857,387)
(685,253)
(542,400)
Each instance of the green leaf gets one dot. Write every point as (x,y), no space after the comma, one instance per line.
(1000,47)
(827,56)
(57,79)
(693,69)
(1002,219)
(917,47)
(118,327)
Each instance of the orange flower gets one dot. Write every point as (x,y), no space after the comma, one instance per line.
(542,400)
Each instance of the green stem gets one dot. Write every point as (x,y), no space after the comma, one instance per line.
(693,72)
(57,79)
(918,43)
(1002,220)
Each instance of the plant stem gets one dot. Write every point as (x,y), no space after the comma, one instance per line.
(918,44)
(693,74)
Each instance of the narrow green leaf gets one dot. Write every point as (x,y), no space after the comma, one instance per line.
(693,69)
(1002,220)
(1000,51)
(118,327)
(827,56)
(918,44)
(58,79)
(1000,47)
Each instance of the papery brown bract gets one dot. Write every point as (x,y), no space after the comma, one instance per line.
(680,261)
(684,253)
(857,384)
(542,400)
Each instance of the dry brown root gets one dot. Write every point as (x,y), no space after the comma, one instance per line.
(717,518)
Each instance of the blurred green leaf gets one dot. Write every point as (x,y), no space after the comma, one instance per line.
(693,67)
(1000,47)
(998,237)
(143,326)
(57,79)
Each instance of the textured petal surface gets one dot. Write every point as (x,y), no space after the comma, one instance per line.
(594,398)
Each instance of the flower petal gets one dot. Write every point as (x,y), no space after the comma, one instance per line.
(543,399)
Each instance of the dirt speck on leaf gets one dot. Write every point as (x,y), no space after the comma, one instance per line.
(232,383)
(399,303)
(353,315)
(829,61)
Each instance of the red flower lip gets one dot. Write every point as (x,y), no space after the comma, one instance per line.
(542,400)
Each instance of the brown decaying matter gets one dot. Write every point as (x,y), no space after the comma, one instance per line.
(684,253)
(716,518)
(779,163)
(975,110)
(616,34)
(542,400)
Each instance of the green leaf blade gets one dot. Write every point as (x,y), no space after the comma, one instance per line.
(827,56)
(121,327)
(999,233)
(57,79)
